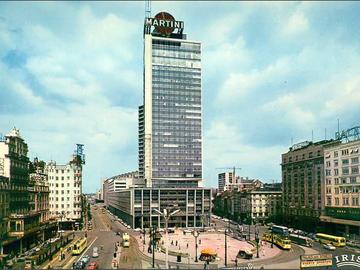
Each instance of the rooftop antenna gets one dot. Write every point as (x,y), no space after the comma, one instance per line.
(312,135)
(147,9)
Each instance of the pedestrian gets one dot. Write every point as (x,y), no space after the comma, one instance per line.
(263,252)
(172,242)
(176,243)
(199,241)
(187,245)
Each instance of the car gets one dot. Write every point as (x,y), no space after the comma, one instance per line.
(329,247)
(85,259)
(137,230)
(128,226)
(211,230)
(92,266)
(221,230)
(95,253)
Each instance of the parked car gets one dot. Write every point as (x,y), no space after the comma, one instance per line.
(329,247)
(95,252)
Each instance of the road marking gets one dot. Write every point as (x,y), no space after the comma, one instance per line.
(87,249)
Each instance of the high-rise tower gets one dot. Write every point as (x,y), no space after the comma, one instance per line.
(170,137)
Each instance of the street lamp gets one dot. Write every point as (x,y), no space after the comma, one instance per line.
(226,242)
(166,214)
(257,240)
(196,234)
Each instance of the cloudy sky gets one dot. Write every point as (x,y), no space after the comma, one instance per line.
(71,72)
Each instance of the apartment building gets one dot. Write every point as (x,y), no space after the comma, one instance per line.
(342,188)
(302,179)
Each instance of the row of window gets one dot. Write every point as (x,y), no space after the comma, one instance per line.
(345,171)
(344,152)
(63,171)
(63,192)
(353,189)
(354,160)
(345,201)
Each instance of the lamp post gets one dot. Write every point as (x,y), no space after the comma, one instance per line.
(196,234)
(272,238)
(166,215)
(257,240)
(226,230)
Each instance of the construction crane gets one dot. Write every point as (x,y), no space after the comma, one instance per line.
(231,168)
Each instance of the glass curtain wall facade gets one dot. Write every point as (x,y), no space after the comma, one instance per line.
(170,139)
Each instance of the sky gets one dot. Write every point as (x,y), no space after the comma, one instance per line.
(273,73)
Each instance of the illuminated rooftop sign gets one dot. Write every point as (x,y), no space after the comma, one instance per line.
(351,134)
(164,24)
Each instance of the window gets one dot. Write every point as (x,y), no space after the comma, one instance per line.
(336,181)
(62,171)
(336,190)
(337,201)
(336,154)
(57,185)
(343,180)
(354,170)
(355,201)
(328,172)
(336,163)
(345,162)
(328,164)
(328,200)
(62,177)
(336,172)
(328,190)
(345,152)
(62,185)
(310,155)
(345,201)
(345,171)
(352,179)
(328,181)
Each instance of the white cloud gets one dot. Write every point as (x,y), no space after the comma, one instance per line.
(297,24)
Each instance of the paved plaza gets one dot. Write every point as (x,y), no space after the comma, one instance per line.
(185,243)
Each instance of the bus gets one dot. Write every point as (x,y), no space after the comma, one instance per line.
(79,246)
(301,240)
(125,240)
(281,241)
(280,230)
(336,241)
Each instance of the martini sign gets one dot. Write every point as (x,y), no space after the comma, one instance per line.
(164,24)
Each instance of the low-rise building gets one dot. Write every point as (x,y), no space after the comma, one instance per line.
(227,182)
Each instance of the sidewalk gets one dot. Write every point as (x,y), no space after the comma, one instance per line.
(185,244)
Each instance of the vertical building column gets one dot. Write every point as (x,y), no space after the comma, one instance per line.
(142,209)
(186,209)
(195,213)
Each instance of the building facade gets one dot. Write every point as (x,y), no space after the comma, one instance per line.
(170,146)
(65,183)
(135,206)
(302,179)
(226,181)
(342,188)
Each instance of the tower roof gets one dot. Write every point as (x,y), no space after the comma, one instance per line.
(14,133)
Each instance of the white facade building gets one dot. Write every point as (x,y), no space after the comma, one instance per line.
(342,187)
(65,190)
